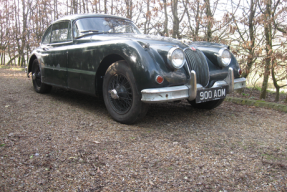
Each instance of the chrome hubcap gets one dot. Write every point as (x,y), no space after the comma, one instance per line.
(114,94)
(33,76)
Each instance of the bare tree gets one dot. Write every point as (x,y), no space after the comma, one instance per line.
(279,66)
(165,32)
(268,10)
(147,16)
(129,6)
(247,33)
(176,20)
(210,20)
(196,15)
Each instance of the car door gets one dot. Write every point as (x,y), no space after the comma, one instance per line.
(81,65)
(55,53)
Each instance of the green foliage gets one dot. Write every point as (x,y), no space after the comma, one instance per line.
(245,94)
(257,87)
(5,67)
(13,68)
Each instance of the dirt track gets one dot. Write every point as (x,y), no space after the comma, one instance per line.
(66,141)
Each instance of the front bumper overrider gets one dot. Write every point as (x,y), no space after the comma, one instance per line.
(189,91)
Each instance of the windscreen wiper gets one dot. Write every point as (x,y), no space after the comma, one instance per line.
(91,32)
(88,32)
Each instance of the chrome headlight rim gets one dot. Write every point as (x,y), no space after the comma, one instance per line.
(170,60)
(224,61)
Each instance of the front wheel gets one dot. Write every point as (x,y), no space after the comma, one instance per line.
(121,96)
(206,105)
(36,79)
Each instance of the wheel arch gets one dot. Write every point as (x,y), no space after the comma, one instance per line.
(32,58)
(101,71)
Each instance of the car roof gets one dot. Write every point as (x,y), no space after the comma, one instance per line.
(78,16)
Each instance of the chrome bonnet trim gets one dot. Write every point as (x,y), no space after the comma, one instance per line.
(189,91)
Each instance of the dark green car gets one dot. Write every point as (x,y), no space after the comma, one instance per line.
(107,55)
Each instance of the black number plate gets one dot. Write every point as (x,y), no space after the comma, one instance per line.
(211,94)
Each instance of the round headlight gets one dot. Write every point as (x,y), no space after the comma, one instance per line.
(224,57)
(175,58)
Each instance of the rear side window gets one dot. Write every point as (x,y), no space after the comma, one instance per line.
(61,32)
(47,36)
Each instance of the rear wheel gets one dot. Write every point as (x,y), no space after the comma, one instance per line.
(122,99)
(206,105)
(36,79)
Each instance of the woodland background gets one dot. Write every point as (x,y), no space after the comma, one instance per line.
(256,30)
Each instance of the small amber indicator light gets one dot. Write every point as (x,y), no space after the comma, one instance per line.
(159,79)
(239,71)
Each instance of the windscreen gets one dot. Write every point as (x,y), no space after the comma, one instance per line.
(103,25)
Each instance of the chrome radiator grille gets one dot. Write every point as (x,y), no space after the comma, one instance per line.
(196,61)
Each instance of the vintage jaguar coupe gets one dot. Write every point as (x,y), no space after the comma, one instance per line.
(107,55)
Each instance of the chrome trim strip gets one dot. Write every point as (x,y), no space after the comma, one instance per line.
(192,86)
(230,80)
(239,83)
(158,95)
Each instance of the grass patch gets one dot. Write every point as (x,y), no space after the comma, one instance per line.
(14,68)
(268,156)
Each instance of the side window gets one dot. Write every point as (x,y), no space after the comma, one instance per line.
(47,36)
(61,32)
(75,30)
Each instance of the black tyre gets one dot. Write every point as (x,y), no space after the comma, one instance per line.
(36,79)
(206,105)
(122,99)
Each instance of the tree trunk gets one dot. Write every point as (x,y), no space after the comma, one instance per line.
(275,82)
(112,7)
(208,36)
(147,18)
(55,10)
(165,19)
(250,58)
(129,5)
(175,22)
(12,59)
(84,6)
(105,4)
(75,6)
(265,79)
(268,48)
(196,11)
(277,94)
(197,21)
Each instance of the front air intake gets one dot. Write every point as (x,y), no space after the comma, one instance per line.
(196,61)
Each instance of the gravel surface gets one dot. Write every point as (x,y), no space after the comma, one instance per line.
(66,141)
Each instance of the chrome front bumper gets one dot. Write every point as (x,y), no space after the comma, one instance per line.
(189,91)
